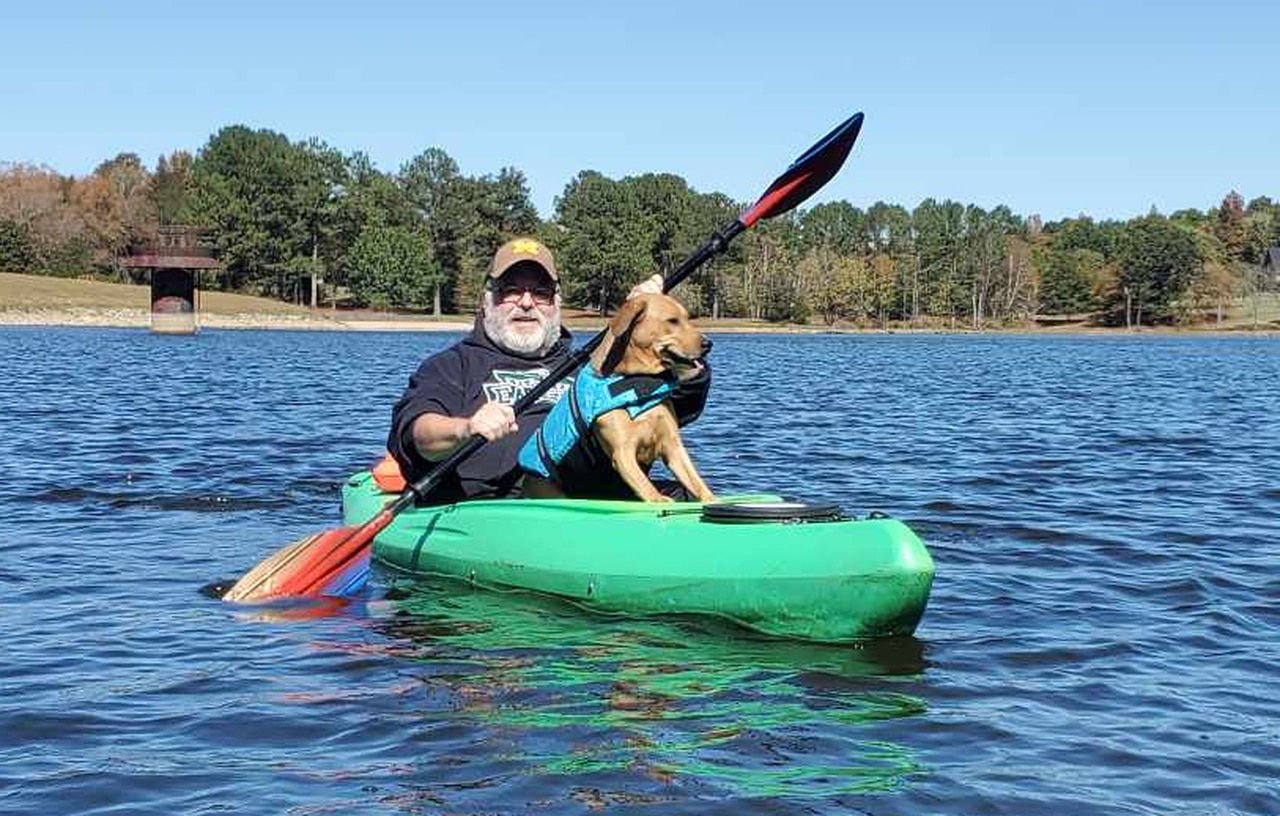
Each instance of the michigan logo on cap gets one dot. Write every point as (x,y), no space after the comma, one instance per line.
(522,250)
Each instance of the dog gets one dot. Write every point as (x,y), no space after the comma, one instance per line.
(618,411)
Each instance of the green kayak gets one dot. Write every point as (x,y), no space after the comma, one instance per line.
(825,579)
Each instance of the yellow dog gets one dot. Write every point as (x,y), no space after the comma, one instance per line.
(619,411)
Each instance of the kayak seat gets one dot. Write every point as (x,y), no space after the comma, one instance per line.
(387,475)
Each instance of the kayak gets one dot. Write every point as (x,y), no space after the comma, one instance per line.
(748,559)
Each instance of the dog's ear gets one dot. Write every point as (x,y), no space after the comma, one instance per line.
(628,315)
(624,322)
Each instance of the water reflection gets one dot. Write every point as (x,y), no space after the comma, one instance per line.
(574,693)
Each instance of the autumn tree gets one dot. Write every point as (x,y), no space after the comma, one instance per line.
(45,233)
(116,205)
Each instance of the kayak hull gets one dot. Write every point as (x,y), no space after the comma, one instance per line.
(828,581)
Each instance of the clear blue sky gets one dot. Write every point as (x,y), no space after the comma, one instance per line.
(1050,108)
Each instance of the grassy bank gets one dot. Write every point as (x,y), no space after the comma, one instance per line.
(39,292)
(42,300)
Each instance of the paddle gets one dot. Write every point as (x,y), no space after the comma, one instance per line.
(335,562)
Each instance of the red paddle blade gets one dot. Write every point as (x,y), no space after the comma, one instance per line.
(807,174)
(321,564)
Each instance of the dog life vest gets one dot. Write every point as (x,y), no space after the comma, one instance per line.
(568,426)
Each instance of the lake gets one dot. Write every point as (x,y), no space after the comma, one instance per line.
(1103,635)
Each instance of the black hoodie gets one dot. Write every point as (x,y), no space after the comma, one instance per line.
(463,377)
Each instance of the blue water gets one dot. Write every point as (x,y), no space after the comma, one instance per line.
(1103,635)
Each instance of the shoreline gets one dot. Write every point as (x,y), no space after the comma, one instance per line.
(104,318)
(125,318)
(36,300)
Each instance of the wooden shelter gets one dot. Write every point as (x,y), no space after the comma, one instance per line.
(174,258)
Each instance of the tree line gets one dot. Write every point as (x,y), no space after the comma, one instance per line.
(299,220)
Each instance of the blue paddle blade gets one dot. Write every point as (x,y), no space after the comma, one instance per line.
(807,174)
(350,581)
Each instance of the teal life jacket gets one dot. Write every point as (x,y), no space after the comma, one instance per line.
(566,432)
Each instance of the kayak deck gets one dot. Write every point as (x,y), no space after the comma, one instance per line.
(829,581)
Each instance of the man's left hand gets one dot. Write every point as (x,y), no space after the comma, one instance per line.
(648,286)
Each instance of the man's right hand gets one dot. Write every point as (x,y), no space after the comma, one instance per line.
(493,421)
(435,436)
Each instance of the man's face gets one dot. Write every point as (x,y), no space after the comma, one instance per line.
(522,311)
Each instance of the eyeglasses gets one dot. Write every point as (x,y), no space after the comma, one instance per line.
(543,294)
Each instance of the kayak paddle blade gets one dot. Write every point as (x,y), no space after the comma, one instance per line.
(332,563)
(807,174)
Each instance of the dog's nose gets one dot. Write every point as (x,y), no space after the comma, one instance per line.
(706,345)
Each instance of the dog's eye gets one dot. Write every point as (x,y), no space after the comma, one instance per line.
(673,321)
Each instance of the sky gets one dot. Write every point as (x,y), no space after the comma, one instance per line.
(1056,109)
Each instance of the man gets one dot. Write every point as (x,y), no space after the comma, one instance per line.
(469,388)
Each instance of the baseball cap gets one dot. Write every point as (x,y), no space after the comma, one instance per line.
(522,250)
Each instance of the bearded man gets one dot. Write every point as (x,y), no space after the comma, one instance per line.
(469,388)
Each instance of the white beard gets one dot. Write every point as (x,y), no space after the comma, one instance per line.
(499,328)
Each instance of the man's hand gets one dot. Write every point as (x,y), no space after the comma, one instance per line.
(493,421)
(649,286)
(435,436)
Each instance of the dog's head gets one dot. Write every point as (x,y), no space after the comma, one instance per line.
(651,334)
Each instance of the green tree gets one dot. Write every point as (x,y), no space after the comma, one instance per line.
(836,286)
(891,236)
(1158,261)
(1263,218)
(321,179)
(246,188)
(666,205)
(883,277)
(939,230)
(1084,233)
(837,226)
(604,244)
(1214,290)
(1230,229)
(1190,218)
(1067,279)
(369,198)
(889,229)
(274,207)
(392,267)
(501,209)
(19,251)
(171,187)
(442,197)
(985,246)
(707,213)
(677,220)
